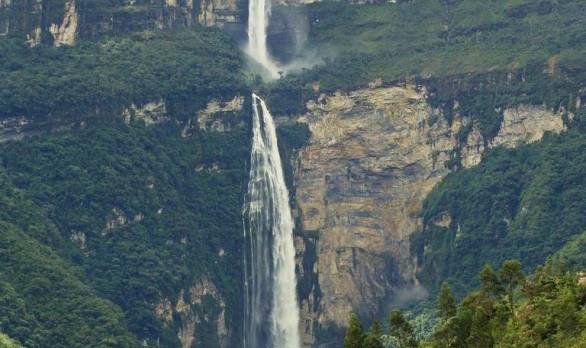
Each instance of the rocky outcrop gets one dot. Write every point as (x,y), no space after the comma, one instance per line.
(115,220)
(19,127)
(218,116)
(49,21)
(190,312)
(149,113)
(522,124)
(213,116)
(66,32)
(79,239)
(219,12)
(373,157)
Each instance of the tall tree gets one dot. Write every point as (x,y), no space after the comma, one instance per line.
(480,331)
(401,329)
(446,303)
(373,338)
(355,333)
(490,283)
(511,277)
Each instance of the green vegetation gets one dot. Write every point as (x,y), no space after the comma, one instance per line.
(43,303)
(572,254)
(400,333)
(434,38)
(100,225)
(6,342)
(481,55)
(119,218)
(355,333)
(373,337)
(546,309)
(184,68)
(524,203)
(127,215)
(357,338)
(550,311)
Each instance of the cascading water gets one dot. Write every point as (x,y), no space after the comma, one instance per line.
(259,12)
(271,309)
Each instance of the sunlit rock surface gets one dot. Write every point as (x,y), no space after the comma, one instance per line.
(373,157)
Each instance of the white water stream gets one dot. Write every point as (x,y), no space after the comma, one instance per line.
(259,13)
(271,308)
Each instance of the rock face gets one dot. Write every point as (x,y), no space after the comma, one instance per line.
(150,113)
(190,312)
(41,21)
(220,12)
(218,116)
(288,32)
(18,127)
(66,32)
(64,22)
(373,157)
(523,124)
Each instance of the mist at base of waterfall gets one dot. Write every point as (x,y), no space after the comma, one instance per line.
(305,59)
(277,43)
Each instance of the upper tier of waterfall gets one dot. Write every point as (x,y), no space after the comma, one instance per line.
(259,12)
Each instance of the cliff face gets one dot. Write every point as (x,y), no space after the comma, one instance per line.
(220,12)
(190,298)
(201,305)
(63,22)
(373,157)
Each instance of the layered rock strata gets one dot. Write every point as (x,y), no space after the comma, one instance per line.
(64,22)
(189,313)
(373,156)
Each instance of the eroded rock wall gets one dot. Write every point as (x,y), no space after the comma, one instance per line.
(64,22)
(373,156)
(220,12)
(189,312)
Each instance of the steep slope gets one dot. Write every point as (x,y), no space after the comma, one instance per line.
(134,180)
(44,300)
(68,22)
(150,218)
(413,91)
(571,255)
(430,38)
(373,157)
(525,203)
(61,88)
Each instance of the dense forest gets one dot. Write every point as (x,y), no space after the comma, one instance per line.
(111,224)
(507,207)
(185,68)
(168,222)
(440,40)
(509,309)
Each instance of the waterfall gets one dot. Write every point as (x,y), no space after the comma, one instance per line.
(271,309)
(259,12)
